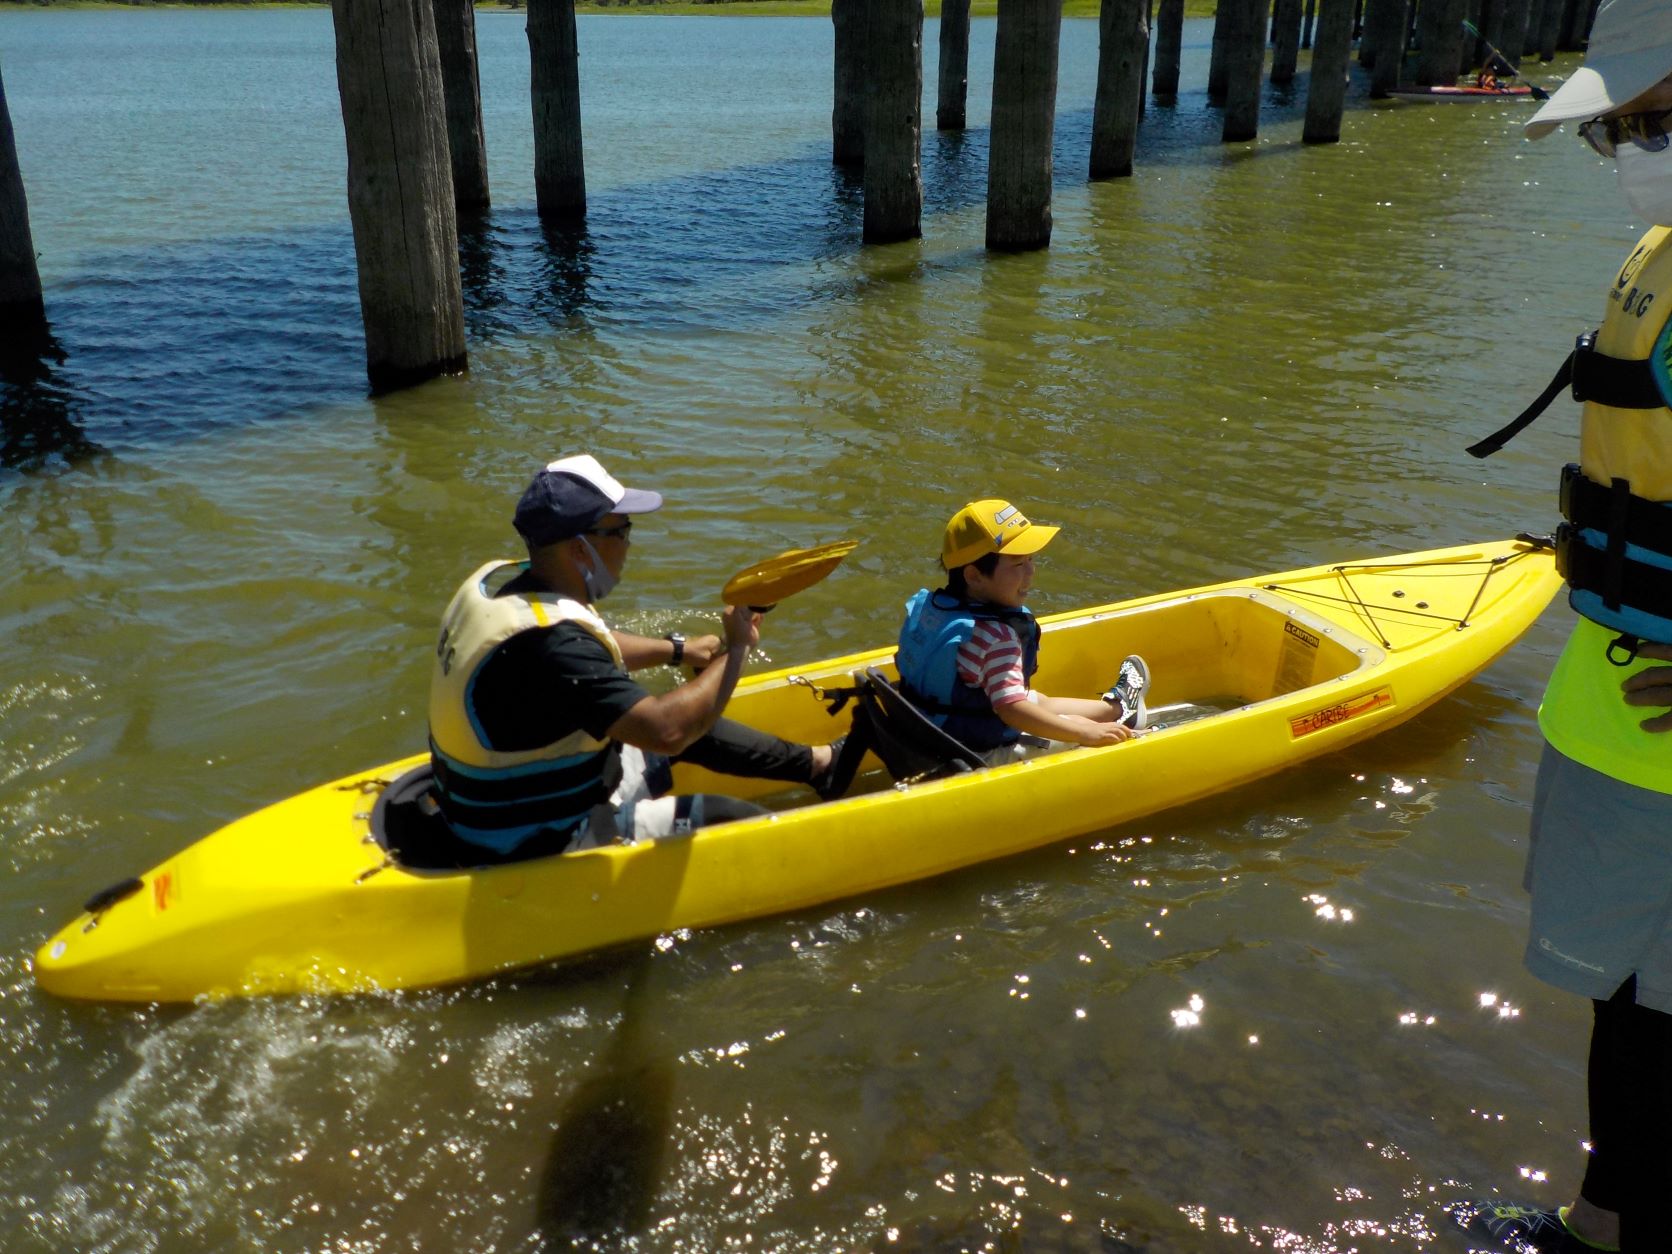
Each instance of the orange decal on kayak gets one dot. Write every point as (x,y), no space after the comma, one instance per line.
(162,888)
(1340,712)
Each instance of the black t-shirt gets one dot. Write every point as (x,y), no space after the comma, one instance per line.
(542,685)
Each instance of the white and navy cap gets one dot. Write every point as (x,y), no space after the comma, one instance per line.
(1630,50)
(570,495)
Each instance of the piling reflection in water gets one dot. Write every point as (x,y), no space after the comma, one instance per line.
(38,418)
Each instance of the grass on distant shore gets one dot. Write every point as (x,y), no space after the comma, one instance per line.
(723,8)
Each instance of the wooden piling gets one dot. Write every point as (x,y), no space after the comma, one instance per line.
(400,189)
(893,121)
(847,115)
(1549,29)
(1024,119)
(455,36)
(1219,51)
(954,84)
(22,311)
(1326,91)
(1306,24)
(1516,19)
(1368,30)
(1169,39)
(1440,30)
(1389,20)
(1491,27)
(555,83)
(1575,16)
(1245,57)
(1122,45)
(1285,51)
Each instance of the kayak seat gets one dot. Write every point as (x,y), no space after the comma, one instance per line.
(406,822)
(912,748)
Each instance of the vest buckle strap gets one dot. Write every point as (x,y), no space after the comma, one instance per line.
(1616,382)
(1590,506)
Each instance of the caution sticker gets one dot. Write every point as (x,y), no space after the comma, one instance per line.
(1340,712)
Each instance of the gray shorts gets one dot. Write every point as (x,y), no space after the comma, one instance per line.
(1599,868)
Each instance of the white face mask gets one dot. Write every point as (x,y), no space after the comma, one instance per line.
(1646,181)
(600,582)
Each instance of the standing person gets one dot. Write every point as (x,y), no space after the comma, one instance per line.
(968,651)
(540,740)
(1599,864)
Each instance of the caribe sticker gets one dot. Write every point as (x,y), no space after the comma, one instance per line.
(1340,712)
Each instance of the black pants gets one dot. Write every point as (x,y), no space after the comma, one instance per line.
(733,749)
(1629,1084)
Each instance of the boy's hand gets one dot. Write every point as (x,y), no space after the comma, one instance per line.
(1095,735)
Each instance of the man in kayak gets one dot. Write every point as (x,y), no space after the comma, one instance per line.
(541,741)
(969,650)
(1599,864)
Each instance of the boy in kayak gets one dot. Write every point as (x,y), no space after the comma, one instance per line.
(541,741)
(969,650)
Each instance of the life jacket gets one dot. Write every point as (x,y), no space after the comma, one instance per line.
(490,796)
(1615,546)
(936,624)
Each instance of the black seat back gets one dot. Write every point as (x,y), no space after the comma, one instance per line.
(911,746)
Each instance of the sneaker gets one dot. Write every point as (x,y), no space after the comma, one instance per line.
(823,782)
(1524,1229)
(1128,692)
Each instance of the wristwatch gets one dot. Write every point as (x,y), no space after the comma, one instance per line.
(678,643)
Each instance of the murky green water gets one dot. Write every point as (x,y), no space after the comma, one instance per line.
(1243,359)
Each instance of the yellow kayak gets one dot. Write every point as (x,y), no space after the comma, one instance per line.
(1258,675)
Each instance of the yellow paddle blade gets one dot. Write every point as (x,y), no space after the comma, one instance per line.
(769,582)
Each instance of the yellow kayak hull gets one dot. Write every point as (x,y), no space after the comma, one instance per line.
(300,898)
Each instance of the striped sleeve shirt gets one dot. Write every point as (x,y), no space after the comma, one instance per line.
(991,660)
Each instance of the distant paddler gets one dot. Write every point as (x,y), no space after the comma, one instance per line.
(541,740)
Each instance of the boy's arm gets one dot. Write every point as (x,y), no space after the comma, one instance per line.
(1038,720)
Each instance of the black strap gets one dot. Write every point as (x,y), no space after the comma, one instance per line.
(1592,569)
(1612,381)
(1590,506)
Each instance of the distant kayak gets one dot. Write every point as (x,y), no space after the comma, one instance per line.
(325,891)
(1457,95)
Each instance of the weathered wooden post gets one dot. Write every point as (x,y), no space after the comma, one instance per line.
(555,84)
(1219,51)
(1024,120)
(847,115)
(893,121)
(1440,26)
(1169,39)
(1306,24)
(1122,43)
(1326,92)
(1367,30)
(455,36)
(1549,29)
(400,190)
(1245,56)
(954,85)
(22,311)
(1285,52)
(1576,23)
(1389,19)
(1514,41)
(1491,28)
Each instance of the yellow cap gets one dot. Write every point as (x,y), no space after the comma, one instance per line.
(984,527)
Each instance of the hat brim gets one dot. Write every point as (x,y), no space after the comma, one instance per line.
(637,501)
(1600,87)
(1033,538)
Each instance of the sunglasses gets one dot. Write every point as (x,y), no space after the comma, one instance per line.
(1646,130)
(612,533)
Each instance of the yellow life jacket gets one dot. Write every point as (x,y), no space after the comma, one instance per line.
(1615,549)
(495,797)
